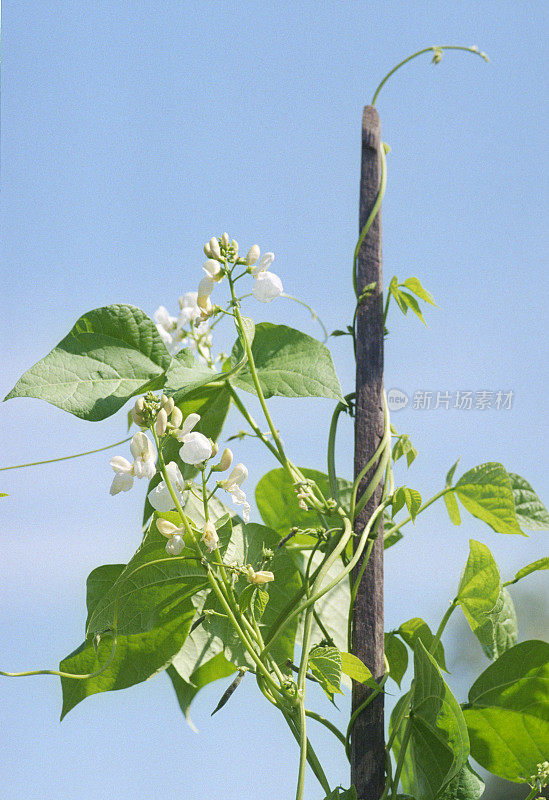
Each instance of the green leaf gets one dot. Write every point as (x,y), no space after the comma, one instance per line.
(508,712)
(111,354)
(403,446)
(390,535)
(397,656)
(416,631)
(412,303)
(467,785)
(410,497)
(325,664)
(136,657)
(150,587)
(186,374)
(451,471)
(487,606)
(332,609)
(530,511)
(452,508)
(486,493)
(414,285)
(276,499)
(212,670)
(541,563)
(3,494)
(247,546)
(355,668)
(289,364)
(439,743)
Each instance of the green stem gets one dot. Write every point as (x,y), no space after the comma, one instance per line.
(401,758)
(66,458)
(327,724)
(358,711)
(381,449)
(444,621)
(332,477)
(371,218)
(251,422)
(312,758)
(419,53)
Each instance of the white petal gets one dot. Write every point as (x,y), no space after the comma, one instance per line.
(167,528)
(189,423)
(246,512)
(211,267)
(164,319)
(160,498)
(238,475)
(141,446)
(196,448)
(205,288)
(267,287)
(121,465)
(122,482)
(175,476)
(263,264)
(175,545)
(165,336)
(210,537)
(149,468)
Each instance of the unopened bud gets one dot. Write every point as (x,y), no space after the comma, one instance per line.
(138,419)
(139,404)
(207,250)
(176,417)
(234,245)
(161,422)
(168,404)
(263,576)
(215,448)
(214,247)
(225,240)
(253,254)
(175,545)
(226,460)
(210,537)
(437,56)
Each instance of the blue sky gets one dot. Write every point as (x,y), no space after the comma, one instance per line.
(132,132)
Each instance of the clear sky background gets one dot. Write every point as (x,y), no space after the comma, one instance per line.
(134,131)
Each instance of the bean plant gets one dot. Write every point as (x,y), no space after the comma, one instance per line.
(211,596)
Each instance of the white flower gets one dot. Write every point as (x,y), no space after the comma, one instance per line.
(144,465)
(205,288)
(175,545)
(189,309)
(160,497)
(196,447)
(212,269)
(262,576)
(267,287)
(169,329)
(264,263)
(123,479)
(210,537)
(232,485)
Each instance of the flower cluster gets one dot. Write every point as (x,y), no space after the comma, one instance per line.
(143,465)
(188,329)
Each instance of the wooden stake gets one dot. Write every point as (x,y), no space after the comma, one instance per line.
(367,742)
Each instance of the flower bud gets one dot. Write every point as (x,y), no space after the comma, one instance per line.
(167,528)
(225,240)
(176,417)
(253,254)
(139,405)
(437,56)
(214,248)
(138,419)
(263,576)
(207,250)
(210,537)
(226,460)
(215,448)
(161,422)
(168,404)
(175,545)
(234,246)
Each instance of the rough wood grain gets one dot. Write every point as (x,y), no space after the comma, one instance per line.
(367,752)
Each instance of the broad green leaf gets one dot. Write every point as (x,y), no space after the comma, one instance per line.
(439,745)
(467,785)
(541,563)
(530,511)
(416,631)
(136,658)
(247,546)
(289,364)
(214,669)
(332,609)
(186,374)
(325,664)
(486,493)
(487,606)
(149,589)
(397,656)
(355,668)
(212,403)
(111,354)
(276,499)
(390,535)
(412,303)
(407,776)
(414,285)
(255,599)
(508,712)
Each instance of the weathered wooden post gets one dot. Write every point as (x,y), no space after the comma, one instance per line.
(368,741)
